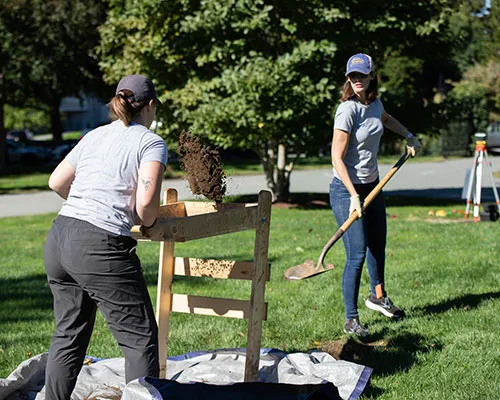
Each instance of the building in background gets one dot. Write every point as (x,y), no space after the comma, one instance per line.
(83,114)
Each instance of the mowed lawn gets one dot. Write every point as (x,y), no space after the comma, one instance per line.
(444,272)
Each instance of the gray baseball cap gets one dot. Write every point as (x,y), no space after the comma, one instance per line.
(140,86)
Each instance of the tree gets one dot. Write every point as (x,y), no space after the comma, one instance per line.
(48,53)
(25,118)
(473,95)
(3,144)
(259,74)
(6,75)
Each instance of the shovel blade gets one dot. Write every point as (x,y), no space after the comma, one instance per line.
(305,270)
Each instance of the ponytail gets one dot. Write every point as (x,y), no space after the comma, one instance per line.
(124,107)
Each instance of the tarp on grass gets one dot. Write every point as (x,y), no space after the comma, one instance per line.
(216,374)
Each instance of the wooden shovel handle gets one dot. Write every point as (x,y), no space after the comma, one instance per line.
(354,215)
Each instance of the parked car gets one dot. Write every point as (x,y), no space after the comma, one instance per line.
(493,136)
(27,153)
(20,136)
(61,150)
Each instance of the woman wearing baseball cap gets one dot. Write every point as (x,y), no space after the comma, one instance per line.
(359,124)
(111,181)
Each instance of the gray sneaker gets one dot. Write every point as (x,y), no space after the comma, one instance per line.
(353,327)
(385,306)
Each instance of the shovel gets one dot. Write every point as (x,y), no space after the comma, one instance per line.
(307,268)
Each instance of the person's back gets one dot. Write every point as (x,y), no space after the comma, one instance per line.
(106,163)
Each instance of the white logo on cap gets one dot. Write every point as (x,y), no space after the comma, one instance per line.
(357,60)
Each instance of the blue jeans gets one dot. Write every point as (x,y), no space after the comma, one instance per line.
(366,238)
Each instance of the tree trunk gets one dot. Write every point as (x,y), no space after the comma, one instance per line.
(267,155)
(282,175)
(277,169)
(471,130)
(3,143)
(55,120)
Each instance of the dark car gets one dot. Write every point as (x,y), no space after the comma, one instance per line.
(27,153)
(20,136)
(61,150)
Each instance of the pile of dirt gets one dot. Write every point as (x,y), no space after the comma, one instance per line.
(349,349)
(203,168)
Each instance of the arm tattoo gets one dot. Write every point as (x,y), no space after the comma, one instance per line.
(147,183)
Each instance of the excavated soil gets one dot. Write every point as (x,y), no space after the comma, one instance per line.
(349,349)
(202,165)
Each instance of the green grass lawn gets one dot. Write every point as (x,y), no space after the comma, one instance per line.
(442,271)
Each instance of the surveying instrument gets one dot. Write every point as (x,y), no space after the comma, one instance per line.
(474,184)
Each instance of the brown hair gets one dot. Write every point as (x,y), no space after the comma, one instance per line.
(124,107)
(371,92)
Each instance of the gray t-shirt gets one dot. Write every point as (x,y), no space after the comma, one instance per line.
(365,128)
(106,163)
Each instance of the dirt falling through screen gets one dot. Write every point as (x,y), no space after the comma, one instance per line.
(202,165)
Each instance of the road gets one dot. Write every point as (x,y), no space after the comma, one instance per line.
(443,179)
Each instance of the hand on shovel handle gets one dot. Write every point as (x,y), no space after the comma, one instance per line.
(356,206)
(308,269)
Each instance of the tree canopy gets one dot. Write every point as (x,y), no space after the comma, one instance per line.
(48,51)
(266,75)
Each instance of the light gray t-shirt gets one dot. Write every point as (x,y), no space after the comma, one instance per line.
(365,128)
(106,163)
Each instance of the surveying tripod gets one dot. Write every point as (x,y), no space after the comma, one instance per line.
(480,158)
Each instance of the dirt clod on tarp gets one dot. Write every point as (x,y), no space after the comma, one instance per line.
(202,166)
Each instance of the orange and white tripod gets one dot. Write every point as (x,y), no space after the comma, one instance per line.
(480,158)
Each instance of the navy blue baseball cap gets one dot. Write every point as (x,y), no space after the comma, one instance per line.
(359,63)
(140,86)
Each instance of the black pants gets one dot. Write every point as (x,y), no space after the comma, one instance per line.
(89,268)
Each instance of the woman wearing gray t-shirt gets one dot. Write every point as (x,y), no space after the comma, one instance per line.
(111,180)
(359,125)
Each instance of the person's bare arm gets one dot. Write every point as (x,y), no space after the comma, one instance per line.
(394,125)
(339,147)
(147,200)
(412,143)
(61,179)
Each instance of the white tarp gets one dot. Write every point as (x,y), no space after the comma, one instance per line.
(104,379)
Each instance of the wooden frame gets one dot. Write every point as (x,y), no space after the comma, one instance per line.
(183,221)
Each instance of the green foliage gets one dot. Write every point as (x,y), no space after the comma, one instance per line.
(266,75)
(473,94)
(479,91)
(251,74)
(474,35)
(241,73)
(404,93)
(261,100)
(47,52)
(20,118)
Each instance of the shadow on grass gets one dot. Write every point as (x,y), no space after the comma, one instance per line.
(395,354)
(24,297)
(24,189)
(467,301)
(387,356)
(17,173)
(18,169)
